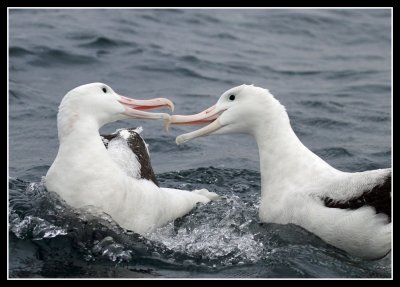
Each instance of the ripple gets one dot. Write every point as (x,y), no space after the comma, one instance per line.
(15,98)
(333,152)
(384,154)
(375,118)
(370,88)
(208,18)
(291,72)
(135,51)
(328,106)
(224,178)
(325,123)
(79,35)
(151,18)
(190,59)
(227,36)
(179,71)
(190,95)
(46,57)
(104,42)
(349,74)
(165,144)
(15,51)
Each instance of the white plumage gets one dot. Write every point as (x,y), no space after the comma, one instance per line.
(85,173)
(122,154)
(296,183)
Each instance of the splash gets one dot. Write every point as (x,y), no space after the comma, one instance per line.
(34,227)
(223,237)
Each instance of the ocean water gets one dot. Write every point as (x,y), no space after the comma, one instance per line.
(330,68)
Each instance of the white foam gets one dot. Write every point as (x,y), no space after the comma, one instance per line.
(125,134)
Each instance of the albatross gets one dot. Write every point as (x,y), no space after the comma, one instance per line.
(91,170)
(351,211)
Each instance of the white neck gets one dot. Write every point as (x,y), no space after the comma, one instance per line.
(285,163)
(82,163)
(77,131)
(81,144)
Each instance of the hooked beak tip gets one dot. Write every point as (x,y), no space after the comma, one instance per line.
(171,106)
(167,123)
(179,140)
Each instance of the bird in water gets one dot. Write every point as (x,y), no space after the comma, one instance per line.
(351,211)
(113,172)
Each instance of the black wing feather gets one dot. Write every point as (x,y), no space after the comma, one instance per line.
(379,197)
(138,147)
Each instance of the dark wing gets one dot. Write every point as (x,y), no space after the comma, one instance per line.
(379,197)
(138,147)
(108,138)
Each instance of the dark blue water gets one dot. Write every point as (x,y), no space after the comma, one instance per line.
(330,68)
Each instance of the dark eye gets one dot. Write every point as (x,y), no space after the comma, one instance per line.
(104,90)
(232,97)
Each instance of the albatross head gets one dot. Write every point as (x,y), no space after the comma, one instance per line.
(99,103)
(238,110)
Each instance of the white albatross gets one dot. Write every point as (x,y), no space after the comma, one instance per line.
(86,173)
(351,211)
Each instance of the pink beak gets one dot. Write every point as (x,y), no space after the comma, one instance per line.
(204,117)
(136,108)
(209,116)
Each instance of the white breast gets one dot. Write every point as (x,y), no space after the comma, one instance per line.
(121,154)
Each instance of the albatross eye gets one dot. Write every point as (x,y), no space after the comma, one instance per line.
(232,97)
(104,90)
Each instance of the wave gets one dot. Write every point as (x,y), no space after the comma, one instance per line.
(384,117)
(325,123)
(369,88)
(15,51)
(330,106)
(180,71)
(47,57)
(105,42)
(291,72)
(167,144)
(349,74)
(225,36)
(334,152)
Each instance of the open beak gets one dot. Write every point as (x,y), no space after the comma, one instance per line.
(210,116)
(137,108)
